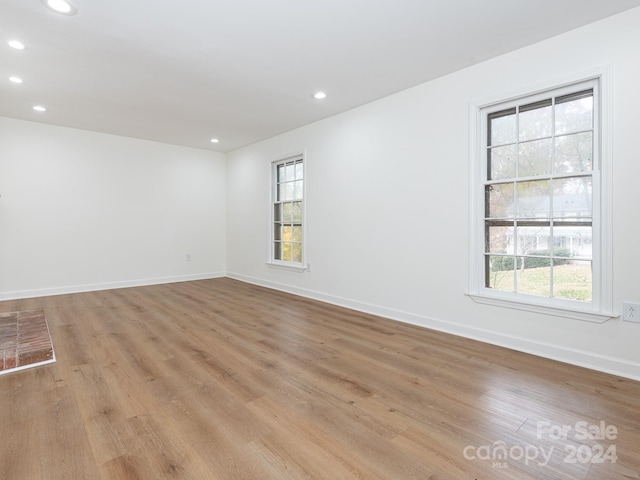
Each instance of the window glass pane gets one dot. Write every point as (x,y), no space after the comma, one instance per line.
(277,232)
(287,212)
(282,192)
(533,199)
(297,234)
(291,192)
(299,171)
(502,127)
(297,212)
(297,252)
(289,172)
(280,176)
(533,240)
(574,114)
(574,153)
(286,251)
(286,233)
(286,191)
(534,158)
(573,280)
(502,162)
(277,212)
(499,239)
(298,190)
(500,200)
(572,240)
(501,273)
(573,197)
(277,251)
(535,121)
(534,276)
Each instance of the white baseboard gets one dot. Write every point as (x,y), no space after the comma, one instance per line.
(571,356)
(46,292)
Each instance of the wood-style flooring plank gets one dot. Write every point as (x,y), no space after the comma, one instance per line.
(222,380)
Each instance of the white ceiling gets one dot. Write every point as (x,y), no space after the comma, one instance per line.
(184,71)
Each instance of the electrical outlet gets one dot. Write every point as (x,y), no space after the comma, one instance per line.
(631,312)
(188,257)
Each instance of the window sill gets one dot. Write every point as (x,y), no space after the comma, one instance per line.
(293,267)
(594,317)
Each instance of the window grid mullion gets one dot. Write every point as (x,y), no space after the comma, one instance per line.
(516,229)
(551,200)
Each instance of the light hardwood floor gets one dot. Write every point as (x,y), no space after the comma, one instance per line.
(217,379)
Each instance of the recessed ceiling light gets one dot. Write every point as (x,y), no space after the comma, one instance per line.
(39,108)
(320,95)
(15,79)
(215,140)
(17,44)
(65,7)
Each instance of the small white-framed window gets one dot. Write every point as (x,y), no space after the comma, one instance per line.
(540,208)
(287,212)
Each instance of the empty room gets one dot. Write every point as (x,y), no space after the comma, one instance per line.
(319,240)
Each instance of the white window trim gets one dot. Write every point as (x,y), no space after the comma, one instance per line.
(601,309)
(280,264)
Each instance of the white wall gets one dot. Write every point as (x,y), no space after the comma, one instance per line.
(388,202)
(82,211)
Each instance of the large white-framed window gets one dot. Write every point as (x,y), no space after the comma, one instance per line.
(541,208)
(287,212)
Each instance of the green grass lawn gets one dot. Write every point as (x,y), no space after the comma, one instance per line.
(570,281)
